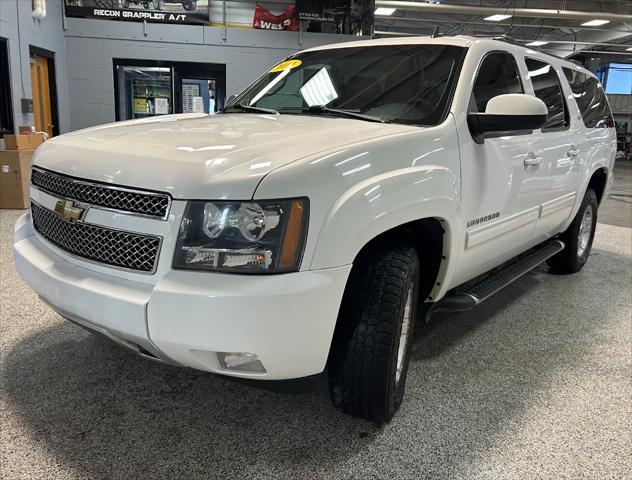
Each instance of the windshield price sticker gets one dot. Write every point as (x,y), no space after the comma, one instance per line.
(287,65)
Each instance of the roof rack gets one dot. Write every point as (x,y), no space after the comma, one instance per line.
(513,41)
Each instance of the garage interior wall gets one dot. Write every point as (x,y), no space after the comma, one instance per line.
(85,49)
(47,34)
(92,44)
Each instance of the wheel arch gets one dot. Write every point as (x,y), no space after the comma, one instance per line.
(598,182)
(428,236)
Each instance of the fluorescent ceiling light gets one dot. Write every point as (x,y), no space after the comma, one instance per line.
(384,11)
(628,49)
(497,18)
(595,23)
(537,43)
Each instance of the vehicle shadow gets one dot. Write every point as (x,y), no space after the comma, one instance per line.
(107,414)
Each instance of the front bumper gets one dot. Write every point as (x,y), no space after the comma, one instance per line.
(185,318)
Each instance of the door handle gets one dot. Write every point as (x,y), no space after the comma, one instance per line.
(572,152)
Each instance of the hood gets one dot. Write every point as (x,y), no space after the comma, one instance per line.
(195,156)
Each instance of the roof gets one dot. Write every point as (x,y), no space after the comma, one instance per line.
(462,41)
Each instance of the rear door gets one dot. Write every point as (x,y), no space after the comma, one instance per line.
(560,151)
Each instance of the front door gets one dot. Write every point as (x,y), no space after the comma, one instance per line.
(500,204)
(41,88)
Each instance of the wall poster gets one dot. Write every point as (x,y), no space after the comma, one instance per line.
(192,12)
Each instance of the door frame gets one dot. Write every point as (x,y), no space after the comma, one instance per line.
(179,71)
(52,83)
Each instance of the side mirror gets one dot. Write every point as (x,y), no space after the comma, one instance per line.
(509,114)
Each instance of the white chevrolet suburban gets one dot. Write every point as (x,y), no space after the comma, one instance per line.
(349,190)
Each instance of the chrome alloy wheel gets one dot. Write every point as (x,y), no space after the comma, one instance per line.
(585,231)
(403,337)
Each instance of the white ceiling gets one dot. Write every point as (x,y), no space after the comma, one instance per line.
(523,26)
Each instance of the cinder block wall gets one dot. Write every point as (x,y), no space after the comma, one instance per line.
(84,50)
(48,34)
(92,45)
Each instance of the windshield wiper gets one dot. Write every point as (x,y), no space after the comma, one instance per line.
(250,108)
(347,113)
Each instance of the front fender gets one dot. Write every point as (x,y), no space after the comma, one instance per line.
(381,203)
(359,191)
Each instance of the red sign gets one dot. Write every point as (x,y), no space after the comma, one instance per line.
(264,20)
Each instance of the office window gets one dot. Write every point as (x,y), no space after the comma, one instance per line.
(619,79)
(6,102)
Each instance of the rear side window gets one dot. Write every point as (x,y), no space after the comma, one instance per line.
(547,88)
(590,98)
(497,75)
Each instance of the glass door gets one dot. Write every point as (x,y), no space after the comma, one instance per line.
(144,91)
(199,96)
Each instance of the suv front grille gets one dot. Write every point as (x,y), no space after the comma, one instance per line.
(98,194)
(117,248)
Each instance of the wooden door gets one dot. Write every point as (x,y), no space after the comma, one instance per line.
(40,84)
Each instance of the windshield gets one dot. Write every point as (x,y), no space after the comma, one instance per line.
(409,84)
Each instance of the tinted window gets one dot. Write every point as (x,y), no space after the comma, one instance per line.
(497,75)
(590,98)
(547,88)
(6,112)
(400,83)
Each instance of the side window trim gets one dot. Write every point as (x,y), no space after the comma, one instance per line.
(567,112)
(482,60)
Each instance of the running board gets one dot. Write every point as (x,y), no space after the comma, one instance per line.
(473,293)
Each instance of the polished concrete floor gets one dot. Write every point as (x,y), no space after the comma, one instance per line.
(535,383)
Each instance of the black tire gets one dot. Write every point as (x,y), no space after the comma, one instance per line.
(363,378)
(189,5)
(573,258)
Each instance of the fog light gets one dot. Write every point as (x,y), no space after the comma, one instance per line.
(240,361)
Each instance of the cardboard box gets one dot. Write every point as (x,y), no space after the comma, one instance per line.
(15,168)
(22,142)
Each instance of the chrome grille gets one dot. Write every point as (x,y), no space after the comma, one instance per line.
(102,195)
(99,244)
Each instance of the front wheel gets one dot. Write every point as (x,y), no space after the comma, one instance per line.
(578,238)
(371,349)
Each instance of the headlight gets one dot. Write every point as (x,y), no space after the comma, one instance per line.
(242,237)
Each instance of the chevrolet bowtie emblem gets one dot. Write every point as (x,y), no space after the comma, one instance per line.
(67,210)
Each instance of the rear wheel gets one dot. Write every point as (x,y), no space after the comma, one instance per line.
(578,238)
(371,349)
